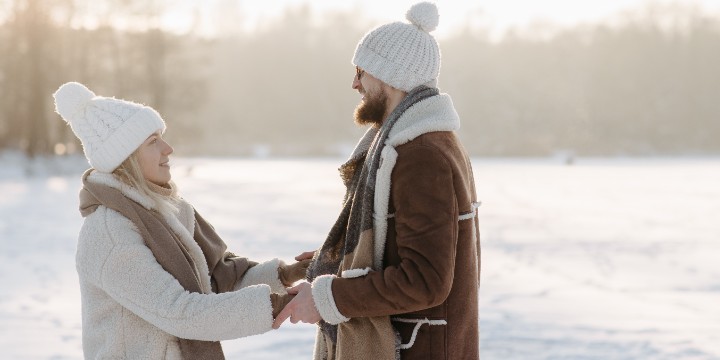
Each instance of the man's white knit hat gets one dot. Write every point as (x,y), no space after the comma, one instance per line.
(403,55)
(110,129)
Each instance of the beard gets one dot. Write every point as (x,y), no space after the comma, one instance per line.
(371,111)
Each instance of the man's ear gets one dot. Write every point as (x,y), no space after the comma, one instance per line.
(391,91)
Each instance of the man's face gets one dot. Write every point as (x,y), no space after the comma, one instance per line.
(371,110)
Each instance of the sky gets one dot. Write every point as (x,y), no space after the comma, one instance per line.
(496,15)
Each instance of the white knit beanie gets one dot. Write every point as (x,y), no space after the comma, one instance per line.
(110,129)
(403,55)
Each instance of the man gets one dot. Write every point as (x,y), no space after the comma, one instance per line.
(398,274)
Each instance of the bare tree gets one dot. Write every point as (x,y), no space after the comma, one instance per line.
(27,63)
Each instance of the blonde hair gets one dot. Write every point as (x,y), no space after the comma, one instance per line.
(130,173)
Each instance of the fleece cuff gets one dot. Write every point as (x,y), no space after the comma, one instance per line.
(264,273)
(324,301)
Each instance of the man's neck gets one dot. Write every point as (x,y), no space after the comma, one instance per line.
(395,96)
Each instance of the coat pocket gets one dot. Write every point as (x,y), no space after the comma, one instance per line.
(424,338)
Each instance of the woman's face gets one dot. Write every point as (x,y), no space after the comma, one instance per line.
(154,158)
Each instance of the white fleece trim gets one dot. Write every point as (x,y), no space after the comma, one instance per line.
(435,113)
(324,301)
(418,323)
(264,273)
(381,203)
(472,214)
(355,273)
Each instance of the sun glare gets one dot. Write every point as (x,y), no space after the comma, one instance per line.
(222,17)
(218,16)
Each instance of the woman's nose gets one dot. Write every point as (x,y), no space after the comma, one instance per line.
(168,149)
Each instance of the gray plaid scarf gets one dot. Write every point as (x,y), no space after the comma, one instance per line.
(358,175)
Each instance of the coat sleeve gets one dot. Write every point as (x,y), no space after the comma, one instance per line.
(132,277)
(426,229)
(263,273)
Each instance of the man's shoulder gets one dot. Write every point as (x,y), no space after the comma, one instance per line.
(445,142)
(441,147)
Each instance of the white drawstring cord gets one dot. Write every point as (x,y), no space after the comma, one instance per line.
(472,214)
(418,323)
(467,216)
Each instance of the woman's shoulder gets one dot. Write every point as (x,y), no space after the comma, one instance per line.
(108,226)
(104,232)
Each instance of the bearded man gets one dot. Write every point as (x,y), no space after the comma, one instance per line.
(398,274)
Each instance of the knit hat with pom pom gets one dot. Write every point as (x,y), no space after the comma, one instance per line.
(110,129)
(403,55)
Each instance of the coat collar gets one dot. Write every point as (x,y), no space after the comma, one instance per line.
(112,181)
(186,212)
(436,113)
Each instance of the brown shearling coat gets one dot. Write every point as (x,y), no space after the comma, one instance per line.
(431,254)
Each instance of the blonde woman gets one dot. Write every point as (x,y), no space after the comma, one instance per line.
(156,281)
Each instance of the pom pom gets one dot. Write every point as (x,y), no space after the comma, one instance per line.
(424,15)
(71,98)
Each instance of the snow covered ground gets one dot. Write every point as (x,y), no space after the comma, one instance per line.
(606,259)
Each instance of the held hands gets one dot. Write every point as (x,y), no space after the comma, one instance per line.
(282,307)
(279,301)
(301,308)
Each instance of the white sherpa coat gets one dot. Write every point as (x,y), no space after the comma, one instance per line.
(133,309)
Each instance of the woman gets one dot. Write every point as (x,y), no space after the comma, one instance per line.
(156,280)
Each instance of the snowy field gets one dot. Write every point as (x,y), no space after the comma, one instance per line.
(606,259)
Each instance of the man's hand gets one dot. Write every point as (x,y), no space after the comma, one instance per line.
(304,256)
(301,308)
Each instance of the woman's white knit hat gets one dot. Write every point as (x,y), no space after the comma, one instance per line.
(403,55)
(110,129)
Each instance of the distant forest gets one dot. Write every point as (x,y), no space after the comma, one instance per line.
(646,85)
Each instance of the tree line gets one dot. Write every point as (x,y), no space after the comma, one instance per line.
(644,86)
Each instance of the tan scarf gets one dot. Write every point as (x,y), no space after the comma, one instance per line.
(225,268)
(350,246)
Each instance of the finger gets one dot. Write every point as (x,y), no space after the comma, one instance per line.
(293,290)
(293,319)
(282,316)
(305,255)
